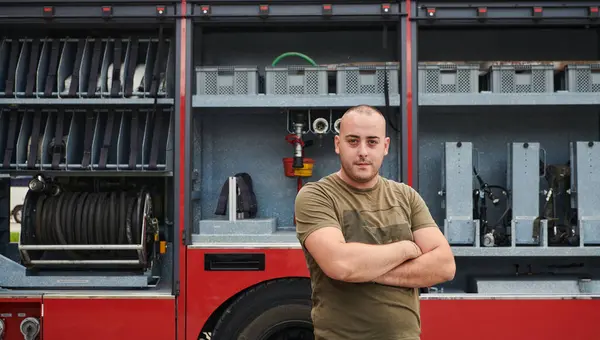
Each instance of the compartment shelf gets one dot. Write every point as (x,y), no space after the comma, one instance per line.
(37,70)
(508,83)
(508,99)
(91,140)
(297,86)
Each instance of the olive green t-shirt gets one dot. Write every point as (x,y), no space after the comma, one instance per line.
(388,212)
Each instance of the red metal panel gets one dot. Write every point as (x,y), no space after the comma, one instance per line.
(209,289)
(14,309)
(409,95)
(548,319)
(183,164)
(101,318)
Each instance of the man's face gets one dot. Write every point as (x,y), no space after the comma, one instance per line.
(362,145)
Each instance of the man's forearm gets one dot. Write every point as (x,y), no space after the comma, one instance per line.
(426,270)
(365,262)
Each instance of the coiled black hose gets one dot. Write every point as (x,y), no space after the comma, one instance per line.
(85,218)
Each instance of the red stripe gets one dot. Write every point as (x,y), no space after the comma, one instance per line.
(181,299)
(409,95)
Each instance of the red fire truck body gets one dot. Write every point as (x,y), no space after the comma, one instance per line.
(164,143)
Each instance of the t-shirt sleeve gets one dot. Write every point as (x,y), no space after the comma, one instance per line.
(420,214)
(314,210)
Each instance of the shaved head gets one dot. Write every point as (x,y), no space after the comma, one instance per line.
(361,144)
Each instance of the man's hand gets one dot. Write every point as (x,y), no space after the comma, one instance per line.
(356,262)
(436,265)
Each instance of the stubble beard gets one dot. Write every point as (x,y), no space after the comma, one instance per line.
(351,170)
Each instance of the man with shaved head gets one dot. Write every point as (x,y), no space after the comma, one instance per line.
(370,242)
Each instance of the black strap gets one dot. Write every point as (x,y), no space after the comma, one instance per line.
(133,54)
(110,122)
(87,141)
(156,138)
(133,150)
(53,67)
(58,146)
(246,199)
(33,62)
(157,65)
(10,141)
(223,198)
(12,68)
(116,76)
(76,67)
(94,74)
(32,158)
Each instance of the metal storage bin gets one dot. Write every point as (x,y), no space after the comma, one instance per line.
(522,78)
(226,80)
(582,77)
(296,80)
(448,78)
(367,79)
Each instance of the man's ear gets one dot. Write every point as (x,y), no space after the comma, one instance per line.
(336,143)
(387,145)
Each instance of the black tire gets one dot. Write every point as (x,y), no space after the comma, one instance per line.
(269,311)
(17,213)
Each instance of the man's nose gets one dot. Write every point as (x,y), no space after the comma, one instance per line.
(362,149)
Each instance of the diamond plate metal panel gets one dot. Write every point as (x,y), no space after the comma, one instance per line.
(585,187)
(524,184)
(457,183)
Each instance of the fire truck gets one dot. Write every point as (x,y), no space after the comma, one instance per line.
(165,142)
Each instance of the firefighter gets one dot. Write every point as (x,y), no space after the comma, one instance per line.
(370,242)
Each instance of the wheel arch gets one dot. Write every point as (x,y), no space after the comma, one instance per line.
(214,317)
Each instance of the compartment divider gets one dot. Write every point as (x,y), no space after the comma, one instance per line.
(123,138)
(95,68)
(106,136)
(47,79)
(84,69)
(4,62)
(14,121)
(47,138)
(31,70)
(130,71)
(37,136)
(13,62)
(76,136)
(91,123)
(23,140)
(21,69)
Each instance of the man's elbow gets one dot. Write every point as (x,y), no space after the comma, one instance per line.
(341,271)
(448,267)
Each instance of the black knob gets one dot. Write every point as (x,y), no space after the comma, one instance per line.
(298,163)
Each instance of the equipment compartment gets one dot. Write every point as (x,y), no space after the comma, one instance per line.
(86,68)
(246,137)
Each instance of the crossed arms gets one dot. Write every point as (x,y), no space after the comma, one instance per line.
(425,262)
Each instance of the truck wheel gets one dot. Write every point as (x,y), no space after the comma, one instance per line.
(274,310)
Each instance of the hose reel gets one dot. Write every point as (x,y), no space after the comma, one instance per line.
(88,227)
